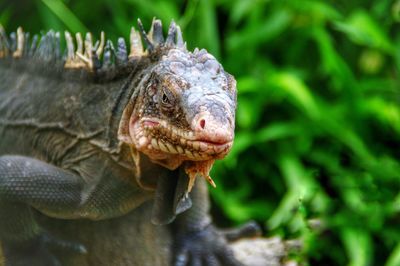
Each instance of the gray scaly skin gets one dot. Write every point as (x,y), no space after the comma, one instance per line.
(85,137)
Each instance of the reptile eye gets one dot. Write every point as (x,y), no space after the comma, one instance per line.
(165,99)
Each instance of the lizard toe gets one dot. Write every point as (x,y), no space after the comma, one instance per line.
(249,229)
(205,247)
(53,242)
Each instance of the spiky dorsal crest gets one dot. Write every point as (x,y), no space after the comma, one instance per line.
(100,57)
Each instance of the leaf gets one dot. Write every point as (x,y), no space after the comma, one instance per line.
(332,62)
(299,185)
(248,113)
(164,10)
(277,130)
(358,246)
(297,90)
(5,16)
(271,27)
(208,30)
(247,84)
(394,258)
(283,212)
(362,29)
(65,15)
(241,8)
(387,112)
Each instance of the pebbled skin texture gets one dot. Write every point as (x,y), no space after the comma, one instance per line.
(73,147)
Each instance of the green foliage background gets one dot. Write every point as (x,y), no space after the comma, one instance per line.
(318,120)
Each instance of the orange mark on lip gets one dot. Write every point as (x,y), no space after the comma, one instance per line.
(209,180)
(202,168)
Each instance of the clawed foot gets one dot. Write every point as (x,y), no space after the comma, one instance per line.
(209,247)
(37,252)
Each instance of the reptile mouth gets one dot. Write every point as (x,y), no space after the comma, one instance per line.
(159,135)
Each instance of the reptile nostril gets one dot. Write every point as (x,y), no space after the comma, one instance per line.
(202,123)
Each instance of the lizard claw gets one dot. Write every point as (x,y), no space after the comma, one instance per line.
(209,246)
(248,230)
(56,243)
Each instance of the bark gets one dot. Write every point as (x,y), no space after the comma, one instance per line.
(132,240)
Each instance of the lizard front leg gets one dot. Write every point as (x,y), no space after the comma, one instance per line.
(198,242)
(27,183)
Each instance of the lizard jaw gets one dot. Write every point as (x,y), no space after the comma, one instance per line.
(160,141)
(170,147)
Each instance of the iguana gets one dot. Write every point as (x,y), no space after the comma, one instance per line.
(96,131)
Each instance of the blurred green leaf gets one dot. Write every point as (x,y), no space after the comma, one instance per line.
(164,10)
(283,212)
(247,113)
(394,258)
(332,63)
(388,113)
(209,27)
(242,8)
(65,15)
(317,11)
(275,24)
(5,16)
(297,90)
(358,246)
(363,30)
(300,187)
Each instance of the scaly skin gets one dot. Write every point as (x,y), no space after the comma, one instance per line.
(186,112)
(84,138)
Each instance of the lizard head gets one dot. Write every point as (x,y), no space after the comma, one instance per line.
(185,110)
